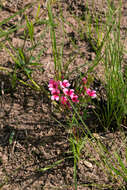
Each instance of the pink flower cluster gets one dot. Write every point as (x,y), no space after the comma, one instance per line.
(91,93)
(60,92)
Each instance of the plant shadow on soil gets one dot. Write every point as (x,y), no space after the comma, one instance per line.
(29,139)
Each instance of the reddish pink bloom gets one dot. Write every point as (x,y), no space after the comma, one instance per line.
(53,84)
(64,84)
(74,98)
(55,94)
(85,88)
(55,91)
(91,93)
(65,101)
(84,80)
(68,92)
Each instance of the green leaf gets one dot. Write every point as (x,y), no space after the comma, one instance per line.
(28,70)
(34,64)
(121,163)
(32,58)
(11,138)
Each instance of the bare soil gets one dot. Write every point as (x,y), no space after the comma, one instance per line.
(30,139)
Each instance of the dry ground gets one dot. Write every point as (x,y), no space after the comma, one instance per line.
(38,141)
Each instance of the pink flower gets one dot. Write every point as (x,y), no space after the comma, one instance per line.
(55,94)
(84,80)
(74,98)
(65,101)
(64,84)
(68,92)
(53,84)
(91,93)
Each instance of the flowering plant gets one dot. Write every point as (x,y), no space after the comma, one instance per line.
(61,92)
(68,97)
